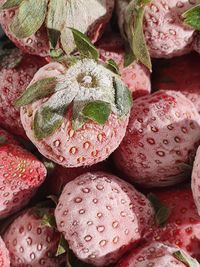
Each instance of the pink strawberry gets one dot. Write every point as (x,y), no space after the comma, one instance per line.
(30,242)
(157,255)
(179,74)
(4,255)
(101,216)
(135,76)
(166,33)
(50,30)
(16,72)
(162,136)
(20,176)
(196,180)
(80,115)
(182,228)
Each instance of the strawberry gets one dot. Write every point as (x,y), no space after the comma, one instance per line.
(179,74)
(135,76)
(161,139)
(16,72)
(76,115)
(101,216)
(20,176)
(4,255)
(196,180)
(157,254)
(165,32)
(182,228)
(30,242)
(51,29)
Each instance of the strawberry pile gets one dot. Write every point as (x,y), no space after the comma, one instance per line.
(99,133)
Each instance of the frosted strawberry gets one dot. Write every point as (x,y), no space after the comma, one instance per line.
(135,76)
(4,255)
(196,180)
(161,139)
(157,254)
(101,216)
(51,28)
(76,114)
(20,176)
(30,242)
(179,74)
(16,72)
(182,227)
(156,28)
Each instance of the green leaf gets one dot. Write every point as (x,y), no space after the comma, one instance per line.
(49,220)
(55,20)
(11,4)
(162,212)
(97,111)
(49,116)
(53,198)
(29,18)
(84,45)
(192,17)
(112,65)
(123,98)
(129,57)
(182,258)
(62,247)
(2,140)
(36,91)
(78,119)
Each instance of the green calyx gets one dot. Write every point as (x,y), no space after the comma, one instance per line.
(192,17)
(162,212)
(134,31)
(188,261)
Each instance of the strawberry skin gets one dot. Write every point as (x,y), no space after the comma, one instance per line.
(162,135)
(179,74)
(182,229)
(135,76)
(101,216)
(165,33)
(156,254)
(196,180)
(4,255)
(13,82)
(38,43)
(30,243)
(20,176)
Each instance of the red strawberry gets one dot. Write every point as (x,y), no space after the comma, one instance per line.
(101,216)
(30,242)
(51,28)
(20,176)
(164,34)
(182,228)
(16,72)
(196,181)
(81,116)
(162,135)
(6,138)
(179,74)
(157,255)
(135,76)
(4,255)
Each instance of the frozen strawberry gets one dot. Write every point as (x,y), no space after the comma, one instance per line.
(76,115)
(182,228)
(196,180)
(16,72)
(161,139)
(135,76)
(101,216)
(4,255)
(157,254)
(164,34)
(179,74)
(20,176)
(30,242)
(51,29)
